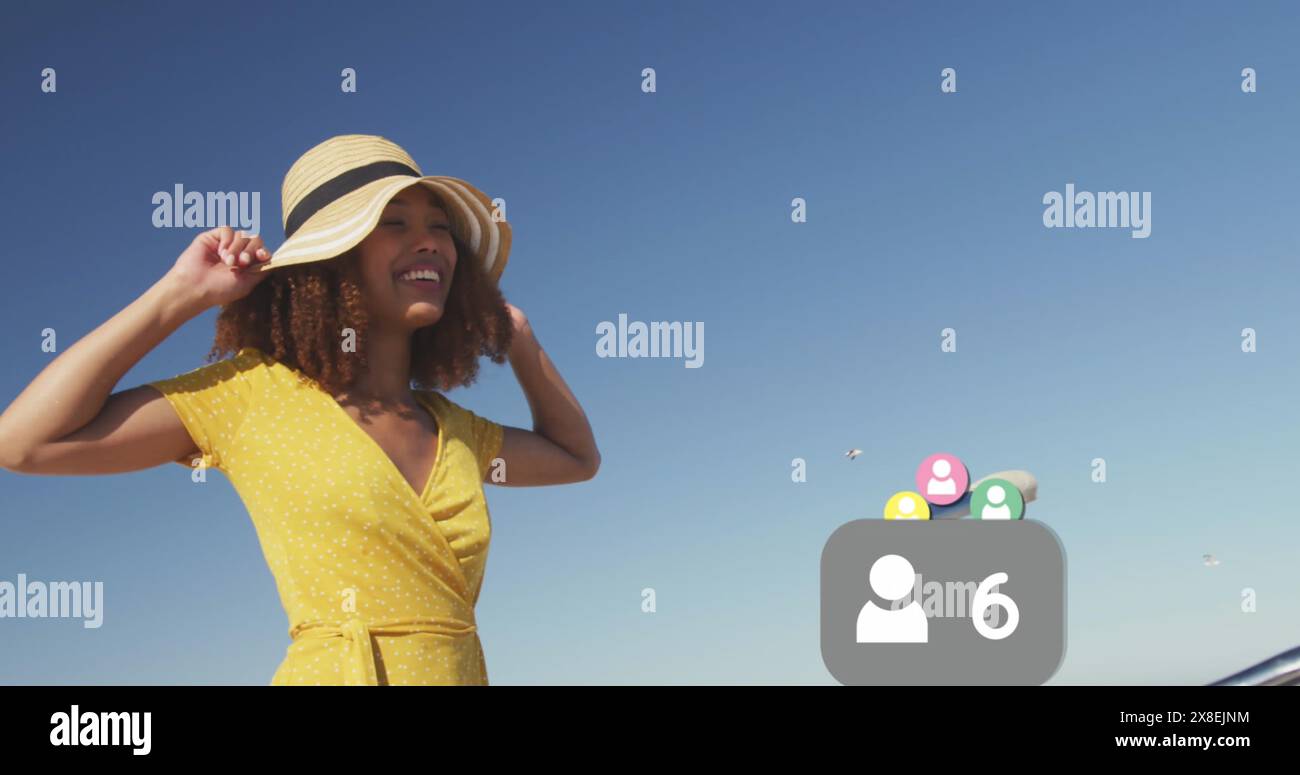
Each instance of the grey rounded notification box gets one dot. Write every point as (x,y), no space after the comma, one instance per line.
(934,610)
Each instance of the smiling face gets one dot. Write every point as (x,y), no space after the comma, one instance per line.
(407,262)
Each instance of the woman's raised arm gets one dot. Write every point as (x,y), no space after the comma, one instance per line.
(68,421)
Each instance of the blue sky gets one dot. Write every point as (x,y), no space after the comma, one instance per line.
(924,212)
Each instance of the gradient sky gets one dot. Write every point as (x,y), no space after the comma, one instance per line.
(924,212)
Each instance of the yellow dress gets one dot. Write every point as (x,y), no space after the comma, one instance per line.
(379,581)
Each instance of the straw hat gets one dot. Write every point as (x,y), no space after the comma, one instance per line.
(334,194)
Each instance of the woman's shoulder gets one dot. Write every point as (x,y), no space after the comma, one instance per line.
(253,354)
(482,437)
(446,406)
(265,369)
(463,421)
(443,403)
(251,359)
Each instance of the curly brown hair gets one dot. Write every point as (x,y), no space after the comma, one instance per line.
(297,316)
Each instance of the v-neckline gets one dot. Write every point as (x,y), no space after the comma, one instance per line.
(430,405)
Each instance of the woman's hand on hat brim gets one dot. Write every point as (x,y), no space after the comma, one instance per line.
(239,250)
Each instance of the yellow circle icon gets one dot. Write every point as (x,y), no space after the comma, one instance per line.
(907,505)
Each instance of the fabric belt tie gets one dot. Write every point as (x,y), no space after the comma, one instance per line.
(361,669)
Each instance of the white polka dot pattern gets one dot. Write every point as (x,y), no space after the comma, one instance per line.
(379,582)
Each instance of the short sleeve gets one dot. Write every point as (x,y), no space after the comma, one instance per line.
(488,437)
(212,402)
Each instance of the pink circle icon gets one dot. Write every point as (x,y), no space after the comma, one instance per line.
(942,479)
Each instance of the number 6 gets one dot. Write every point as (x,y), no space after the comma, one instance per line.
(984,600)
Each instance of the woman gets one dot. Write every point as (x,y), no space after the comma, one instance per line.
(367,494)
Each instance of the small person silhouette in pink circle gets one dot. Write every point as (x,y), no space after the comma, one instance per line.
(942,478)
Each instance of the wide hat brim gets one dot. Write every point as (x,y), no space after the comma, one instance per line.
(343,223)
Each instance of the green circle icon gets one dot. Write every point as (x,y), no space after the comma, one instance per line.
(997,499)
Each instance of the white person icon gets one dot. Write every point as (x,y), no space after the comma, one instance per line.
(997,498)
(941,483)
(942,478)
(906,504)
(892,578)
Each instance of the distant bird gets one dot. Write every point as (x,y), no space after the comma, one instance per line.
(852,453)
(1209,560)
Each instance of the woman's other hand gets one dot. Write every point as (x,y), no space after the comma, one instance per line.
(220,266)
